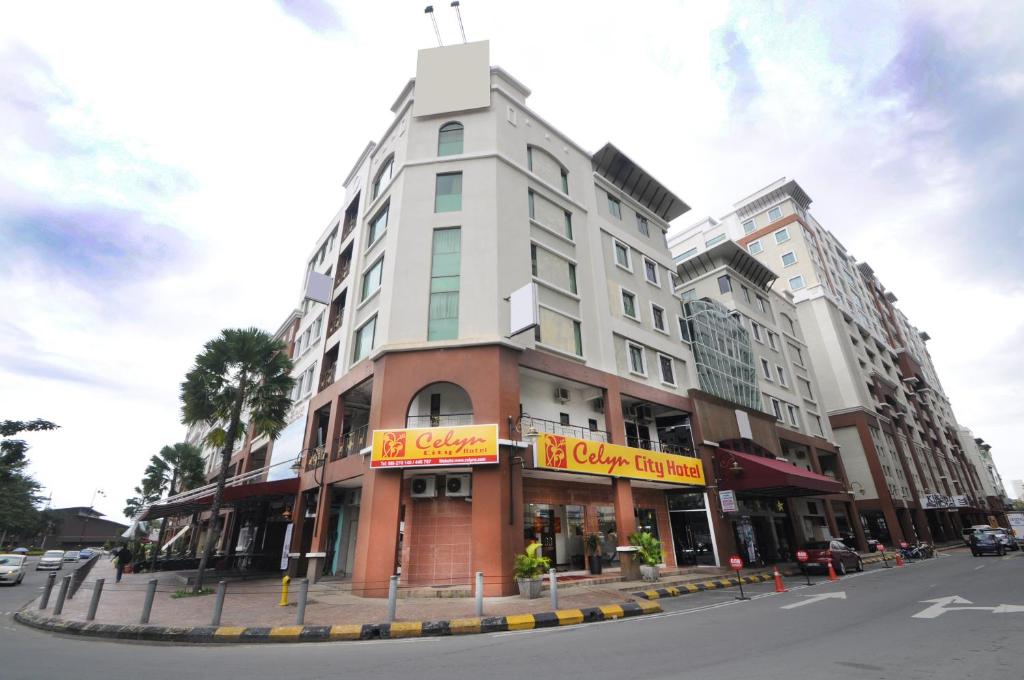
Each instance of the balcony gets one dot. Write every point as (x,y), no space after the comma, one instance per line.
(351,443)
(650,445)
(577,431)
(336,322)
(315,458)
(327,377)
(443,420)
(343,271)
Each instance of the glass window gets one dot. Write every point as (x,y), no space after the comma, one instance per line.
(724,284)
(658,316)
(796,283)
(577,332)
(568,225)
(777,409)
(622,255)
(690,294)
(775,214)
(572,278)
(686,255)
(378,225)
(762,304)
(782,235)
(766,370)
(448,192)
(755,247)
(449,139)
(614,207)
(565,181)
(746,293)
(667,373)
(533,259)
(532,204)
(793,416)
(716,240)
(445,265)
(773,340)
(629,305)
(782,375)
(529,158)
(383,177)
(364,340)
(651,271)
(636,359)
(788,258)
(748,226)
(755,330)
(372,278)
(641,224)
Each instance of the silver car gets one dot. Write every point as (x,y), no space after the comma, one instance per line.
(12,569)
(51,559)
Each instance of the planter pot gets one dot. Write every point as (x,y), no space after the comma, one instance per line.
(594,562)
(649,572)
(529,587)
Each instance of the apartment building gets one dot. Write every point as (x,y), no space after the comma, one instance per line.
(884,402)
(979,455)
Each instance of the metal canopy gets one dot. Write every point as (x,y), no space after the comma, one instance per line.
(621,171)
(232,496)
(730,254)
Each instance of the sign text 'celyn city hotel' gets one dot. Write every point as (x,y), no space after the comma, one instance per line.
(555,452)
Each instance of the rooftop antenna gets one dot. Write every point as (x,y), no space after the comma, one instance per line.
(430,10)
(455,4)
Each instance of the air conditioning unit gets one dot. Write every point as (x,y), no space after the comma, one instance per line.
(424,486)
(598,405)
(561,394)
(458,486)
(644,412)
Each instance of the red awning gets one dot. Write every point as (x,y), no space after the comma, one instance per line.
(770,477)
(232,495)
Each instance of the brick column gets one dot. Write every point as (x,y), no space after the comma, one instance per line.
(377,537)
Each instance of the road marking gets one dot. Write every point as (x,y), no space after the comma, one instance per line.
(819,597)
(981,567)
(940,606)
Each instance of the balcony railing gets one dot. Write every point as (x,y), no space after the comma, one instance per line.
(315,457)
(336,323)
(569,430)
(342,274)
(442,420)
(650,445)
(351,443)
(327,377)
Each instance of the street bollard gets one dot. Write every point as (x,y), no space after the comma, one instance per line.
(554,588)
(392,598)
(479,593)
(147,606)
(97,590)
(284,591)
(218,605)
(300,614)
(47,589)
(58,606)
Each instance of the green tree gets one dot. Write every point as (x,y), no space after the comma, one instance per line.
(13,451)
(175,469)
(19,492)
(241,371)
(143,497)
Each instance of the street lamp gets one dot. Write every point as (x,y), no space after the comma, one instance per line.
(316,458)
(515,428)
(85,522)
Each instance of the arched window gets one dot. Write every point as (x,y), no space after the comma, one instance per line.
(449,139)
(383,177)
(440,404)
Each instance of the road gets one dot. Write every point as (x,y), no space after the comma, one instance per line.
(885,623)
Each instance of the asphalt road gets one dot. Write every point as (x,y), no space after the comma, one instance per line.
(879,624)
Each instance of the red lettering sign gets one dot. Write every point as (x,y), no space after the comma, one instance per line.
(736,562)
(582,454)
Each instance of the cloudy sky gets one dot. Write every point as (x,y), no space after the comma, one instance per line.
(165,168)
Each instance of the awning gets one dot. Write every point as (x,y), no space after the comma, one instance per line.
(232,495)
(770,477)
(167,546)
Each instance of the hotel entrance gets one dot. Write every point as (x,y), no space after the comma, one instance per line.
(691,531)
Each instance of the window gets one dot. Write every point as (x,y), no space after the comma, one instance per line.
(788,258)
(449,139)
(636,359)
(641,224)
(317,327)
(775,214)
(568,225)
(748,226)
(383,176)
(651,272)
(686,255)
(746,293)
(614,207)
(531,200)
(762,304)
(797,355)
(565,181)
(794,419)
(622,256)
(777,408)
(674,278)
(796,283)
(572,278)
(577,332)
(378,225)
(724,284)
(563,418)
(766,370)
(714,240)
(533,259)
(371,279)
(689,295)
(592,424)
(805,388)
(788,323)
(629,305)
(782,235)
(668,375)
(755,330)
(684,329)
(817,425)
(364,340)
(448,192)
(658,318)
(782,376)
(773,341)
(443,323)
(755,247)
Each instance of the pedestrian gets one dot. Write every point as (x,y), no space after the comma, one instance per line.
(123,557)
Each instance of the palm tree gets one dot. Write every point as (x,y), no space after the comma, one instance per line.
(143,497)
(176,468)
(243,370)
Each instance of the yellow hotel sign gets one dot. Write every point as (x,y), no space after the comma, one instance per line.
(432,446)
(555,452)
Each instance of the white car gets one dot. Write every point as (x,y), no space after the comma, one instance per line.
(72,556)
(12,569)
(51,559)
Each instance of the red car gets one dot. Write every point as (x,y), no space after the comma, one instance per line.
(842,557)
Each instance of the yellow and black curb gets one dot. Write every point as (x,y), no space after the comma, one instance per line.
(366,631)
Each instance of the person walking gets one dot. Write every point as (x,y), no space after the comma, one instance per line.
(123,557)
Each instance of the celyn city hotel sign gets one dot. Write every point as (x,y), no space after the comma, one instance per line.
(555,452)
(433,446)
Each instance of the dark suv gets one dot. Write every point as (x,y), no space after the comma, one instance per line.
(986,542)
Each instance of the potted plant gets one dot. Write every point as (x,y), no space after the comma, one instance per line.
(528,570)
(648,551)
(594,542)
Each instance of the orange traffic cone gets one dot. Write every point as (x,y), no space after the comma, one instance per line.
(832,572)
(779,587)
(899,560)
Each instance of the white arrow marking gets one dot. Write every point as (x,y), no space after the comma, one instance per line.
(1008,609)
(939,607)
(816,598)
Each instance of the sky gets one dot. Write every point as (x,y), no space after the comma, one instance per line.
(166,169)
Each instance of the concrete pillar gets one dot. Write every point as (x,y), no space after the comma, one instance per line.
(830,518)
(858,526)
(321,525)
(625,525)
(494,544)
(377,537)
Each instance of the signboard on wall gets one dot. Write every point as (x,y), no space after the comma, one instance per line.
(728,501)
(568,454)
(936,500)
(434,446)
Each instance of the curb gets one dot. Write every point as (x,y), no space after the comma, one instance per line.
(367,631)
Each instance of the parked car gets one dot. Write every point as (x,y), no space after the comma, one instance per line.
(1006,539)
(86,554)
(51,559)
(20,551)
(968,532)
(12,569)
(71,556)
(842,557)
(986,542)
